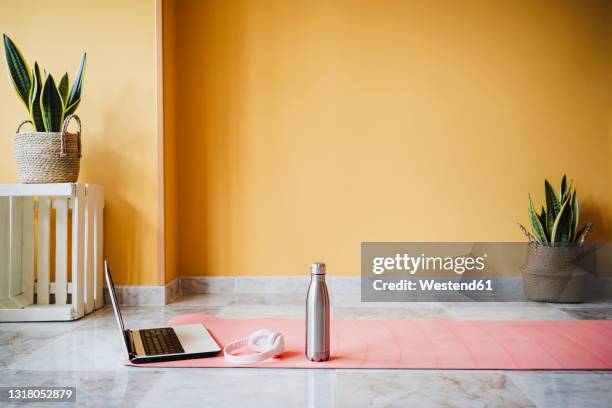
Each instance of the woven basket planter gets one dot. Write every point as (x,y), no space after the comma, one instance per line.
(48,157)
(551,274)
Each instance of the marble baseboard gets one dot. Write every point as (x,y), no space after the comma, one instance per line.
(289,285)
(207,284)
(340,287)
(138,295)
(145,295)
(238,285)
(235,285)
(245,284)
(507,289)
(172,291)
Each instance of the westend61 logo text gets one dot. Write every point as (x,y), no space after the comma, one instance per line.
(414,264)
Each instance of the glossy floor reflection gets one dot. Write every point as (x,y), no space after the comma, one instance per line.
(88,354)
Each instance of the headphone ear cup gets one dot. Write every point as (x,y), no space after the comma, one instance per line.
(261,340)
(279,345)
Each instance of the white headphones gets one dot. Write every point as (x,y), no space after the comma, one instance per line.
(267,343)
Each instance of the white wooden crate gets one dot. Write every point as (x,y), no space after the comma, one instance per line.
(27,292)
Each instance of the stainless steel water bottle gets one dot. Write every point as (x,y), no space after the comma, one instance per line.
(317,315)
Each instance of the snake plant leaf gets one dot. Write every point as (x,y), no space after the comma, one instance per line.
(51,106)
(18,70)
(552,207)
(561,228)
(32,90)
(77,86)
(575,213)
(33,98)
(564,191)
(34,105)
(536,225)
(70,109)
(542,218)
(63,88)
(581,235)
(527,233)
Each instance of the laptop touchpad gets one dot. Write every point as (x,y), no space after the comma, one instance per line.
(195,338)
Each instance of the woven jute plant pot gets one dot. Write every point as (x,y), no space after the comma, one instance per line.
(48,157)
(551,274)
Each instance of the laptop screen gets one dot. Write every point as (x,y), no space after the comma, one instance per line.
(113,296)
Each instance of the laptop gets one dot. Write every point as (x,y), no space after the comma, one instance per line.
(163,343)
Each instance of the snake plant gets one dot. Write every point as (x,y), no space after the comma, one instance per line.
(47,101)
(557,224)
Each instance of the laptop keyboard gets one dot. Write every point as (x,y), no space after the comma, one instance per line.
(160,341)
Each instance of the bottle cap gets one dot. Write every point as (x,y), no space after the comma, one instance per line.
(317,268)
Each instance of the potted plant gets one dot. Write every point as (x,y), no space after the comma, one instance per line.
(550,272)
(49,154)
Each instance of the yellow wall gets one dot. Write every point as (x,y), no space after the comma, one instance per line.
(118,112)
(306,127)
(610,88)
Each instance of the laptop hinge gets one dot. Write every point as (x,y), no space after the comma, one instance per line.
(130,342)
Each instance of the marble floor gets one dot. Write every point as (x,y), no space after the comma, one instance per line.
(88,354)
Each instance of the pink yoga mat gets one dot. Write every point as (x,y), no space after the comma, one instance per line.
(426,344)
